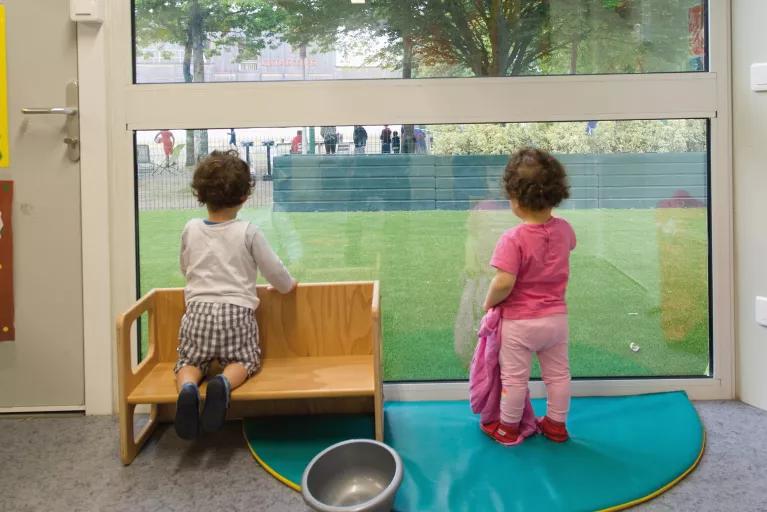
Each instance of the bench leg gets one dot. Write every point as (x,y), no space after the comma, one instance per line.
(378,414)
(130,445)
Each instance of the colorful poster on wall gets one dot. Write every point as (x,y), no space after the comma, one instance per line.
(7,332)
(4,157)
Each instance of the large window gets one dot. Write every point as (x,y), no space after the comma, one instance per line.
(346,207)
(632,95)
(259,40)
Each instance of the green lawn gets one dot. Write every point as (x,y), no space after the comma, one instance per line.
(637,276)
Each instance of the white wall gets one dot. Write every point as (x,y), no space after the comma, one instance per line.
(750,179)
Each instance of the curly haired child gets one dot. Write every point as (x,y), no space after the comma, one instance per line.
(532,267)
(220,259)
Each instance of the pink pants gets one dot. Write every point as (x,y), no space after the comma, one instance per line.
(519,339)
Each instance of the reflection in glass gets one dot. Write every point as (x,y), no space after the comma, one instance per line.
(425,224)
(259,40)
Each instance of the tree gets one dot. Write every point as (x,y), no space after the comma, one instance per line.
(398,22)
(490,37)
(335,25)
(619,36)
(487,37)
(203,28)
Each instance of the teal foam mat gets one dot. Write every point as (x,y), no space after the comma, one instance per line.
(623,450)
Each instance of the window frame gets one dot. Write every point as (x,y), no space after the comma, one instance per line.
(441,100)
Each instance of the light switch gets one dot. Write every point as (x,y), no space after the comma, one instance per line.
(759,76)
(761,311)
(88,11)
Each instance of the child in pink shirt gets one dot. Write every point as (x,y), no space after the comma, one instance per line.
(532,263)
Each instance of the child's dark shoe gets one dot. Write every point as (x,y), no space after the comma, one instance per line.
(187,422)
(553,430)
(216,404)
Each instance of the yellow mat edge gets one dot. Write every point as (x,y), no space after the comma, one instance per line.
(666,487)
(267,467)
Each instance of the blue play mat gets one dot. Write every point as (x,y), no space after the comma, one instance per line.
(624,450)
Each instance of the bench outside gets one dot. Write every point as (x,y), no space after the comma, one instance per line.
(321,354)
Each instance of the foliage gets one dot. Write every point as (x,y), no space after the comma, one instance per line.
(248,26)
(465,36)
(609,137)
(203,28)
(459,37)
(619,36)
(447,38)
(489,38)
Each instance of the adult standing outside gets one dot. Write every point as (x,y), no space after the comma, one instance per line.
(168,141)
(232,138)
(386,139)
(296,143)
(360,139)
(330,137)
(420,140)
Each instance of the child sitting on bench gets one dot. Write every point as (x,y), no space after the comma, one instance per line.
(220,259)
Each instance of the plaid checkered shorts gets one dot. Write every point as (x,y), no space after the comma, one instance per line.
(226,332)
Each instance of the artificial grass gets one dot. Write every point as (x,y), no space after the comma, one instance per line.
(637,276)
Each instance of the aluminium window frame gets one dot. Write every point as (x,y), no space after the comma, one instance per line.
(437,101)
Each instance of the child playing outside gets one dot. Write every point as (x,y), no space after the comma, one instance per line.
(220,259)
(532,262)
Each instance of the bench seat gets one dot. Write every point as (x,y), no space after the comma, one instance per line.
(283,378)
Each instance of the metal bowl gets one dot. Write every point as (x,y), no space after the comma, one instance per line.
(359,475)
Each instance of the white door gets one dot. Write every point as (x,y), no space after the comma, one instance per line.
(43,367)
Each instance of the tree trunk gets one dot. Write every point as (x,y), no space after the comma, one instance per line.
(499,50)
(574,55)
(190,156)
(198,64)
(188,56)
(407,57)
(408,131)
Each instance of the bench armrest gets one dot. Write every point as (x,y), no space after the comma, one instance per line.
(129,377)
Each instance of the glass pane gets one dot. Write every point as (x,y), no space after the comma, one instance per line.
(423,214)
(256,40)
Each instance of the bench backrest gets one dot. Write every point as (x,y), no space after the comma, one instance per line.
(328,319)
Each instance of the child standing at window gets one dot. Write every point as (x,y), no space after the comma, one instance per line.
(220,259)
(532,263)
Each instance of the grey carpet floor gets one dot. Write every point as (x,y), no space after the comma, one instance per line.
(70,463)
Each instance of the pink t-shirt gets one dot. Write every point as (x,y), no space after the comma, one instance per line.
(539,256)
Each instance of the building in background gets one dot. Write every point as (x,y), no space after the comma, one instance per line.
(163,63)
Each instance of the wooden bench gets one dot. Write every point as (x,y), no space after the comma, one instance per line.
(321,353)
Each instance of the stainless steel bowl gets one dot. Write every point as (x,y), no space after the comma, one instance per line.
(358,475)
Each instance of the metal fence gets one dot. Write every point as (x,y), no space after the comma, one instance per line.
(164,181)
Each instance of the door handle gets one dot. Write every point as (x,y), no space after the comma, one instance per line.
(67,111)
(72,113)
